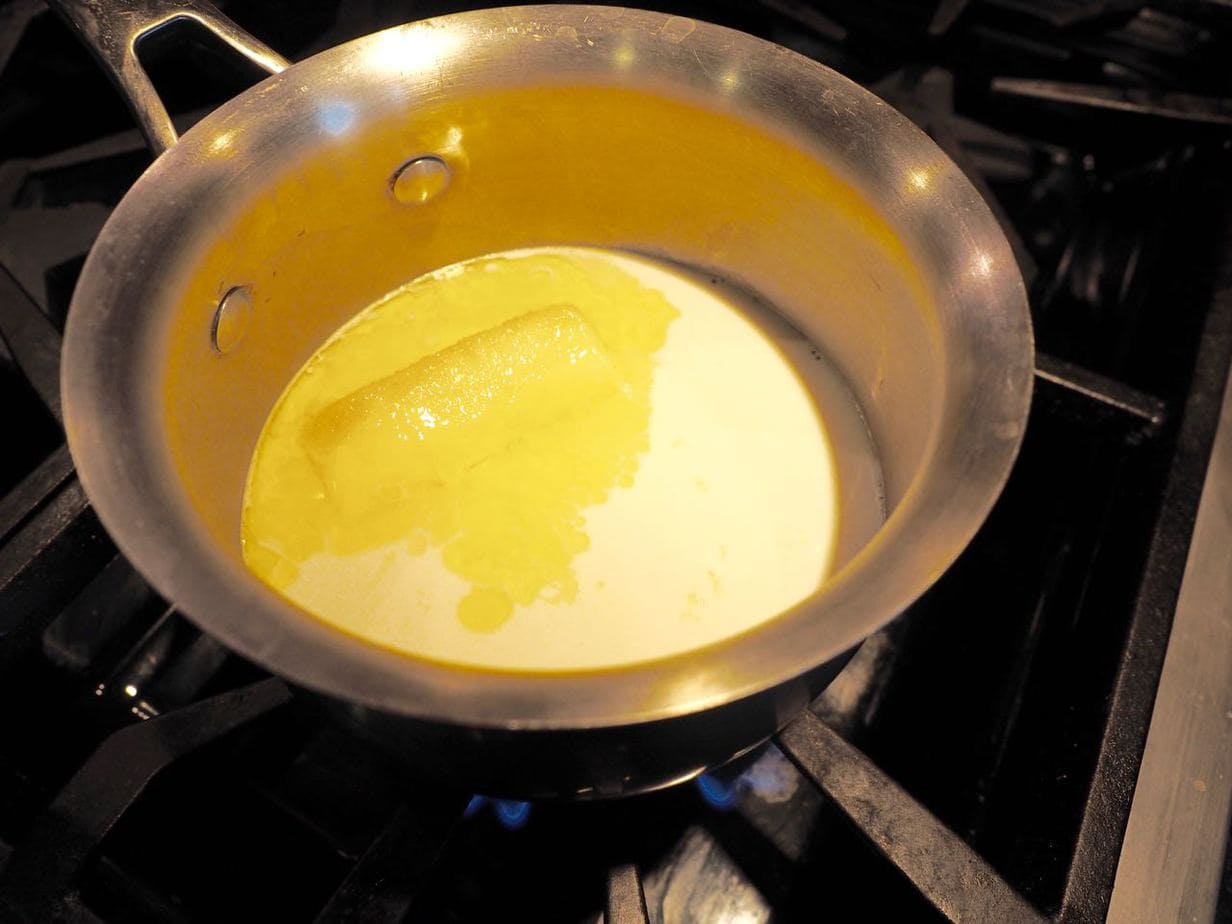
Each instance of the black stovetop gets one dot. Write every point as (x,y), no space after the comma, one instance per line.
(148,774)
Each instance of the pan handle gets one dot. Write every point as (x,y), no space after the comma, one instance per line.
(112,29)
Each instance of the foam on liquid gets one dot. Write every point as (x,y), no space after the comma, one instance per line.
(557,459)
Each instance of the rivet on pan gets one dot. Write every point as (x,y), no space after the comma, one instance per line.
(231,319)
(420,180)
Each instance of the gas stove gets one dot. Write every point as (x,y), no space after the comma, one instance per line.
(1044,735)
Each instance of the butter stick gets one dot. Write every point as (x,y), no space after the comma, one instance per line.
(447,412)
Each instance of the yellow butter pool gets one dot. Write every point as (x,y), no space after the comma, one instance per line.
(546,460)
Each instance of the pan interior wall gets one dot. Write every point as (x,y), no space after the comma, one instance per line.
(321,237)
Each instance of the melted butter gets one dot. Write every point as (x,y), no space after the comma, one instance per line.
(498,423)
(546,460)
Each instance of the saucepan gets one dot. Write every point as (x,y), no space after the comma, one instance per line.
(337,179)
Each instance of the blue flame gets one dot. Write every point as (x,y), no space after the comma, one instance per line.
(513,815)
(721,795)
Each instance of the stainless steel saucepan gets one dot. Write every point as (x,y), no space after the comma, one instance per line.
(339,178)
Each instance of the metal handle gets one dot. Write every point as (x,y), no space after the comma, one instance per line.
(112,29)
